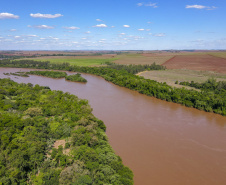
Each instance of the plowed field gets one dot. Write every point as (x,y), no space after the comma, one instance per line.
(198,63)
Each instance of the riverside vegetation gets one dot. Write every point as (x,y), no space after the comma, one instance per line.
(210,101)
(52,74)
(76,78)
(32,119)
(57,74)
(210,85)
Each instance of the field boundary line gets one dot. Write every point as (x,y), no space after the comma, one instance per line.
(168,60)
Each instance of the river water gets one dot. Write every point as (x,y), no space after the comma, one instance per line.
(163,143)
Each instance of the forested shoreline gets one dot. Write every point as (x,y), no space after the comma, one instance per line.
(32,119)
(206,100)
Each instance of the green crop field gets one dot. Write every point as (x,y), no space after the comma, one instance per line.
(218,54)
(76,61)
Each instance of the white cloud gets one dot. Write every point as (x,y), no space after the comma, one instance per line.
(211,8)
(98,20)
(17,37)
(133,37)
(122,34)
(88,32)
(102,40)
(148,29)
(46,16)
(141,29)
(5,15)
(138,38)
(12,30)
(32,36)
(126,26)
(41,26)
(72,28)
(201,7)
(160,35)
(154,5)
(195,6)
(101,26)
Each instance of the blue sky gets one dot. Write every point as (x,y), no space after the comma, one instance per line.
(112,25)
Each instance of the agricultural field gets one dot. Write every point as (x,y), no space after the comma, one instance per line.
(77,60)
(191,66)
(218,54)
(195,66)
(142,59)
(170,76)
(160,57)
(204,62)
(95,58)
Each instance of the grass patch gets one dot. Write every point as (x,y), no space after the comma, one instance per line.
(170,76)
(218,54)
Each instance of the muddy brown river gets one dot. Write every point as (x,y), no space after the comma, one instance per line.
(163,143)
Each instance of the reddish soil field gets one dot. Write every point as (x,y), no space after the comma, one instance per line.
(198,63)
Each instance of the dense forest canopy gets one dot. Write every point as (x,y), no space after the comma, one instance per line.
(33,120)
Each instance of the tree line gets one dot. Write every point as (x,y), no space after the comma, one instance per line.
(210,85)
(134,69)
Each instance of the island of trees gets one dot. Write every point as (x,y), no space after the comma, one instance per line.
(51,74)
(76,78)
